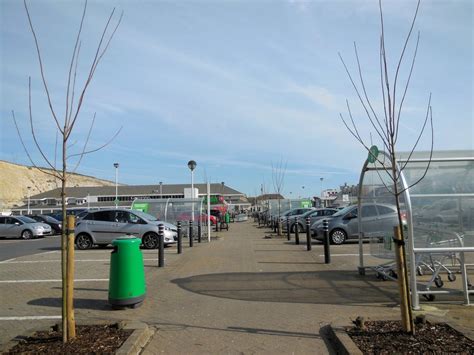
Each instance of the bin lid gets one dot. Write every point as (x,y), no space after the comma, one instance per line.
(125,240)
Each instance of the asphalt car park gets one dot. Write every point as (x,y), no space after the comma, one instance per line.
(30,285)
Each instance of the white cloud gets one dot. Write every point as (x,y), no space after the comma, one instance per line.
(319,95)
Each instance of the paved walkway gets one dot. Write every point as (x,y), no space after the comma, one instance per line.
(241,293)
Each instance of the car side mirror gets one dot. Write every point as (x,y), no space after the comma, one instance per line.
(350,216)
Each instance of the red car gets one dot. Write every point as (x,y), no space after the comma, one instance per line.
(186,216)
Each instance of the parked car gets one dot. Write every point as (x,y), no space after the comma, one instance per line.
(103,226)
(75,212)
(452,211)
(377,220)
(294,212)
(55,225)
(22,227)
(186,216)
(314,215)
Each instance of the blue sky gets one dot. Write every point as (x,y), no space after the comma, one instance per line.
(235,85)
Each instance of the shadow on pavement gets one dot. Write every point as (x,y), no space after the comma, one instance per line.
(344,287)
(82,303)
(180,326)
(84,289)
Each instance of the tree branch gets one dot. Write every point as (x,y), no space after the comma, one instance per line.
(38,52)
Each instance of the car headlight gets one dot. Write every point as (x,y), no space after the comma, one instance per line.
(38,227)
(167,228)
(59,226)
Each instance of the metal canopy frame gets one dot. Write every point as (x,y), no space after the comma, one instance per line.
(413,251)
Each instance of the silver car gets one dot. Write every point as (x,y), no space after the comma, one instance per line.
(22,227)
(313,214)
(102,227)
(377,220)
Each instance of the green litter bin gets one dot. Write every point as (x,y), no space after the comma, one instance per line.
(127,287)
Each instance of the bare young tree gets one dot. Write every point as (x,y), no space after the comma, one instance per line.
(65,127)
(387,131)
(278,180)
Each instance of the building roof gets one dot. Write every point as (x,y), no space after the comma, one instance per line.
(172,189)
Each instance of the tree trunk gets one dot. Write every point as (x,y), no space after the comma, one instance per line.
(404,287)
(64,245)
(71,323)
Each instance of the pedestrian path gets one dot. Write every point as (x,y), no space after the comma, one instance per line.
(247,294)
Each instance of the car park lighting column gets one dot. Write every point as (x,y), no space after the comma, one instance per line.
(29,187)
(116,166)
(192,165)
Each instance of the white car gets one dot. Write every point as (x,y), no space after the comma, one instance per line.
(22,227)
(103,226)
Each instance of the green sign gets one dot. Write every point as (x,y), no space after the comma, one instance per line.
(306,203)
(373,154)
(140,207)
(215,200)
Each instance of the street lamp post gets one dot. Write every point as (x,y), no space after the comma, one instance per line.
(29,187)
(192,165)
(116,166)
(321,179)
(161,189)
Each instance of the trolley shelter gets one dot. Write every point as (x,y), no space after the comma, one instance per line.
(438,219)
(172,210)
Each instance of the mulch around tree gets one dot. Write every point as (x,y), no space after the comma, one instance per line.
(387,337)
(90,339)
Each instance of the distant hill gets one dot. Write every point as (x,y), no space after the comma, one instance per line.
(15,179)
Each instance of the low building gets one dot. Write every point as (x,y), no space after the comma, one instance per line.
(99,197)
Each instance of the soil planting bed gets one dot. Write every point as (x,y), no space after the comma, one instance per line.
(90,339)
(387,337)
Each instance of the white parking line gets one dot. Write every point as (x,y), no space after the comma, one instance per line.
(345,255)
(58,261)
(51,280)
(30,318)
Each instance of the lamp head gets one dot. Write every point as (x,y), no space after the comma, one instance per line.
(192,165)
(116,165)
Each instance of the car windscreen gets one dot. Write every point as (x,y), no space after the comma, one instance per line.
(343,211)
(25,219)
(145,216)
(309,213)
(50,219)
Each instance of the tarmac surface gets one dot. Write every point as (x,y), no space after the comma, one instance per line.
(241,293)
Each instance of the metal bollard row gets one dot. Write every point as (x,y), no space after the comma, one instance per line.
(297,232)
(161,246)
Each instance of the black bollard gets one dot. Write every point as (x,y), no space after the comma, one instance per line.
(180,239)
(308,234)
(161,246)
(275,224)
(327,252)
(199,232)
(297,233)
(288,236)
(217,224)
(191,241)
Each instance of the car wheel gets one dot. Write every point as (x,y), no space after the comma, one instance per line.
(150,241)
(337,236)
(26,234)
(300,228)
(84,241)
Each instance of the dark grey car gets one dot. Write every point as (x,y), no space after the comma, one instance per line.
(377,219)
(22,227)
(102,227)
(314,215)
